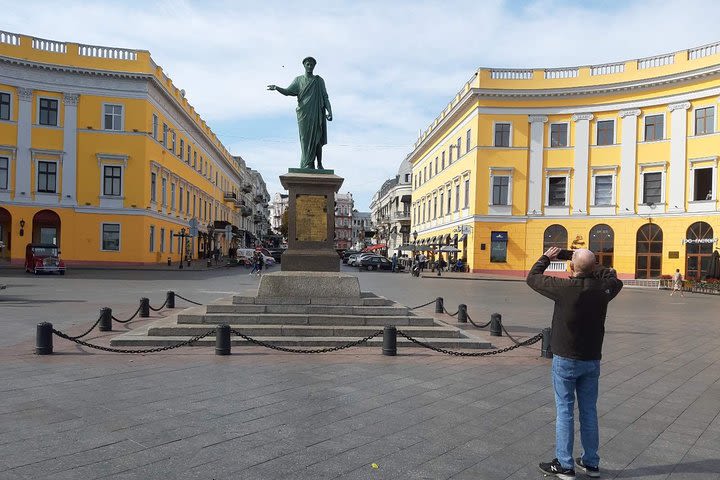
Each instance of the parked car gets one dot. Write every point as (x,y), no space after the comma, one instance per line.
(276,253)
(43,257)
(376,262)
(346,255)
(357,258)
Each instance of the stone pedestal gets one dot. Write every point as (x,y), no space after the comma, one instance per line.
(311,222)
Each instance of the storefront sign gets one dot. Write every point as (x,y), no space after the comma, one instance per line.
(674,254)
(699,240)
(498,247)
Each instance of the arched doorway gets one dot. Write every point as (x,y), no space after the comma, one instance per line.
(5,233)
(46,227)
(555,236)
(649,245)
(698,250)
(602,244)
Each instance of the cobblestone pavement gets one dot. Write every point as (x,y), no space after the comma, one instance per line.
(264,415)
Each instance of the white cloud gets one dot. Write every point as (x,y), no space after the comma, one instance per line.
(390,67)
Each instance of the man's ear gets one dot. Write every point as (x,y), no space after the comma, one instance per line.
(572,267)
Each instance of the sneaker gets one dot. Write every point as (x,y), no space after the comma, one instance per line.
(554,468)
(589,471)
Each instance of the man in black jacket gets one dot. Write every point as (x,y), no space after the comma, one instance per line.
(578,327)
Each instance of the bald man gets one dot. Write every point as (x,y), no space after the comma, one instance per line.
(578,328)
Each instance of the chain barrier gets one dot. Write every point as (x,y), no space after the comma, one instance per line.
(129,319)
(77,337)
(127,350)
(187,300)
(479,326)
(423,305)
(159,308)
(451,314)
(302,350)
(527,342)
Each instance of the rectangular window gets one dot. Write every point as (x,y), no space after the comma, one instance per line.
(155,126)
(449,201)
(195,159)
(449,156)
(457,197)
(502,134)
(498,247)
(652,187)
(436,166)
(4,172)
(170,240)
(172,196)
(4,106)
(654,126)
(48,112)
(194,205)
(442,156)
(112,181)
(153,187)
(152,238)
(557,186)
(442,202)
(47,177)
(467,193)
(112,115)
(163,191)
(603,190)
(501,186)
(189,154)
(182,148)
(187,201)
(467,141)
(605,132)
(162,240)
(704,120)
(559,135)
(111,236)
(435,205)
(180,200)
(703,184)
(173,139)
(165,135)
(458,145)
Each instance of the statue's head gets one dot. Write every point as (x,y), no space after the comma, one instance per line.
(309,63)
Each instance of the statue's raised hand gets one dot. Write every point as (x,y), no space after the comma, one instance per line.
(272,87)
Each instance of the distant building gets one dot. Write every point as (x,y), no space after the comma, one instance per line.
(344,204)
(390,209)
(277,208)
(362,228)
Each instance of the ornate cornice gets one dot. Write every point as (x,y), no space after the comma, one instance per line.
(633,112)
(582,116)
(71,99)
(25,94)
(679,106)
(537,118)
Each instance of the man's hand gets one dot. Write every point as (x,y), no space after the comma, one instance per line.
(552,253)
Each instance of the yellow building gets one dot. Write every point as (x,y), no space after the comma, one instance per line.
(102,155)
(620,158)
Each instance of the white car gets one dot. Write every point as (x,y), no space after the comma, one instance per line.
(268,261)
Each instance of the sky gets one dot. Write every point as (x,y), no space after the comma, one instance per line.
(389,67)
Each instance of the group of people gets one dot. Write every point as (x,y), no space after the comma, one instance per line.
(257,262)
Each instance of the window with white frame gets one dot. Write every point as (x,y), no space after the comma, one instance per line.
(111,237)
(557,191)
(558,135)
(603,193)
(182,148)
(152,238)
(467,193)
(4,172)
(155,126)
(112,180)
(442,157)
(163,191)
(153,186)
(467,141)
(502,134)
(500,189)
(458,145)
(172,196)
(449,200)
(703,183)
(435,205)
(450,156)
(605,132)
(457,197)
(173,139)
(48,112)
(195,159)
(47,177)
(165,135)
(704,120)
(189,151)
(654,127)
(180,199)
(442,202)
(170,240)
(113,117)
(652,187)
(162,240)
(4,106)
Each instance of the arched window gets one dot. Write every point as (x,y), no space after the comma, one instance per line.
(555,236)
(698,250)
(649,245)
(602,244)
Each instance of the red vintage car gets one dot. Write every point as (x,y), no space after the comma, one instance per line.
(43,257)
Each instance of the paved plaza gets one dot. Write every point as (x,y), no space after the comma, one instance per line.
(258,414)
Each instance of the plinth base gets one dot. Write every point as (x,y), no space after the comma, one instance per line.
(308,285)
(315,260)
(320,171)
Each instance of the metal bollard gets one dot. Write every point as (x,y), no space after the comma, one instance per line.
(105,324)
(462,313)
(170,299)
(43,339)
(144,307)
(495,325)
(439,305)
(545,350)
(209,263)
(169,262)
(222,340)
(389,346)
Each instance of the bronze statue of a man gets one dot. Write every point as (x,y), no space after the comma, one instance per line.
(311,111)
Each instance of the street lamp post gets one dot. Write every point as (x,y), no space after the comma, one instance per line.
(182,235)
(211,241)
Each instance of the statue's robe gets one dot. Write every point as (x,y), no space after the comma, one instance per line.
(312,123)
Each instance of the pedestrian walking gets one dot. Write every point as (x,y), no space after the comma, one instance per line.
(259,264)
(394,262)
(677,280)
(255,263)
(578,327)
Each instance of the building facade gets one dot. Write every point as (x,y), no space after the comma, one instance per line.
(344,204)
(390,209)
(278,207)
(620,158)
(362,229)
(102,155)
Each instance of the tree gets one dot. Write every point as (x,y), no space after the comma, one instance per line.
(284,225)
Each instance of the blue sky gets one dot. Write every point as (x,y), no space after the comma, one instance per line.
(389,67)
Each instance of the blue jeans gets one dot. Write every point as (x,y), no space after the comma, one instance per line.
(571,376)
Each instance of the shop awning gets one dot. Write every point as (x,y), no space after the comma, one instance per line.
(372,248)
(406,198)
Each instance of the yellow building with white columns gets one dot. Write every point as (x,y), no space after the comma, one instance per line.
(101,154)
(620,158)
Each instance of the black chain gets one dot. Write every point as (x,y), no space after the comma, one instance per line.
(508,335)
(451,314)
(129,319)
(479,326)
(183,298)
(423,305)
(125,350)
(159,308)
(300,350)
(527,342)
(89,330)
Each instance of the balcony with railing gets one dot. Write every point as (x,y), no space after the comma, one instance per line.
(229,196)
(400,216)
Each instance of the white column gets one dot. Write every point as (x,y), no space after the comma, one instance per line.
(582,155)
(678,157)
(628,154)
(24,141)
(535,183)
(69,167)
